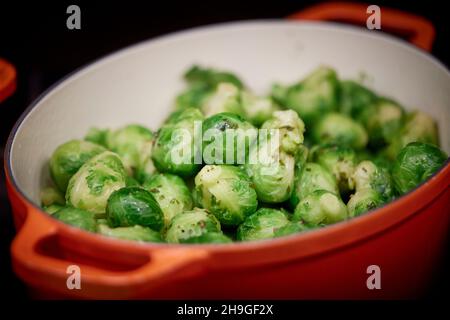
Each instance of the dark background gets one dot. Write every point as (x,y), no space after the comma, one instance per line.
(34,37)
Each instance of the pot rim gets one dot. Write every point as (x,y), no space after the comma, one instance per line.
(338,228)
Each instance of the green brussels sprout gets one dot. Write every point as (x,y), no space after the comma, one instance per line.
(225,98)
(90,188)
(279,93)
(193,97)
(209,237)
(129,143)
(364,200)
(191,224)
(202,83)
(383,121)
(373,185)
(134,233)
(211,77)
(369,175)
(335,128)
(131,206)
(416,163)
(320,207)
(98,136)
(227,192)
(217,131)
(262,224)
(171,193)
(313,97)
(355,99)
(339,160)
(174,150)
(291,129)
(417,127)
(271,165)
(290,228)
(51,209)
(68,158)
(257,110)
(77,218)
(188,115)
(51,196)
(309,178)
(272,177)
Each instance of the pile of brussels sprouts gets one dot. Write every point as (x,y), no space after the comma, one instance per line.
(342,150)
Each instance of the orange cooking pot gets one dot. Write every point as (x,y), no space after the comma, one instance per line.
(405,238)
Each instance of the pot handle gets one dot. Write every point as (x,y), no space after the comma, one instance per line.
(7,79)
(421,32)
(44,271)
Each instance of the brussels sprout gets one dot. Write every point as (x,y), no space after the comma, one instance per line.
(129,143)
(272,177)
(174,150)
(416,163)
(271,166)
(364,200)
(383,122)
(374,187)
(68,158)
(217,131)
(290,228)
(291,129)
(90,188)
(279,93)
(171,193)
(257,109)
(202,83)
(191,224)
(320,207)
(193,97)
(134,233)
(226,98)
(188,115)
(227,192)
(339,160)
(51,209)
(211,77)
(309,178)
(369,175)
(355,99)
(133,143)
(339,129)
(209,237)
(419,127)
(51,196)
(98,136)
(130,206)
(313,97)
(77,218)
(262,224)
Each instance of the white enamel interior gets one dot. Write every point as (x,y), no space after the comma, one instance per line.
(138,84)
